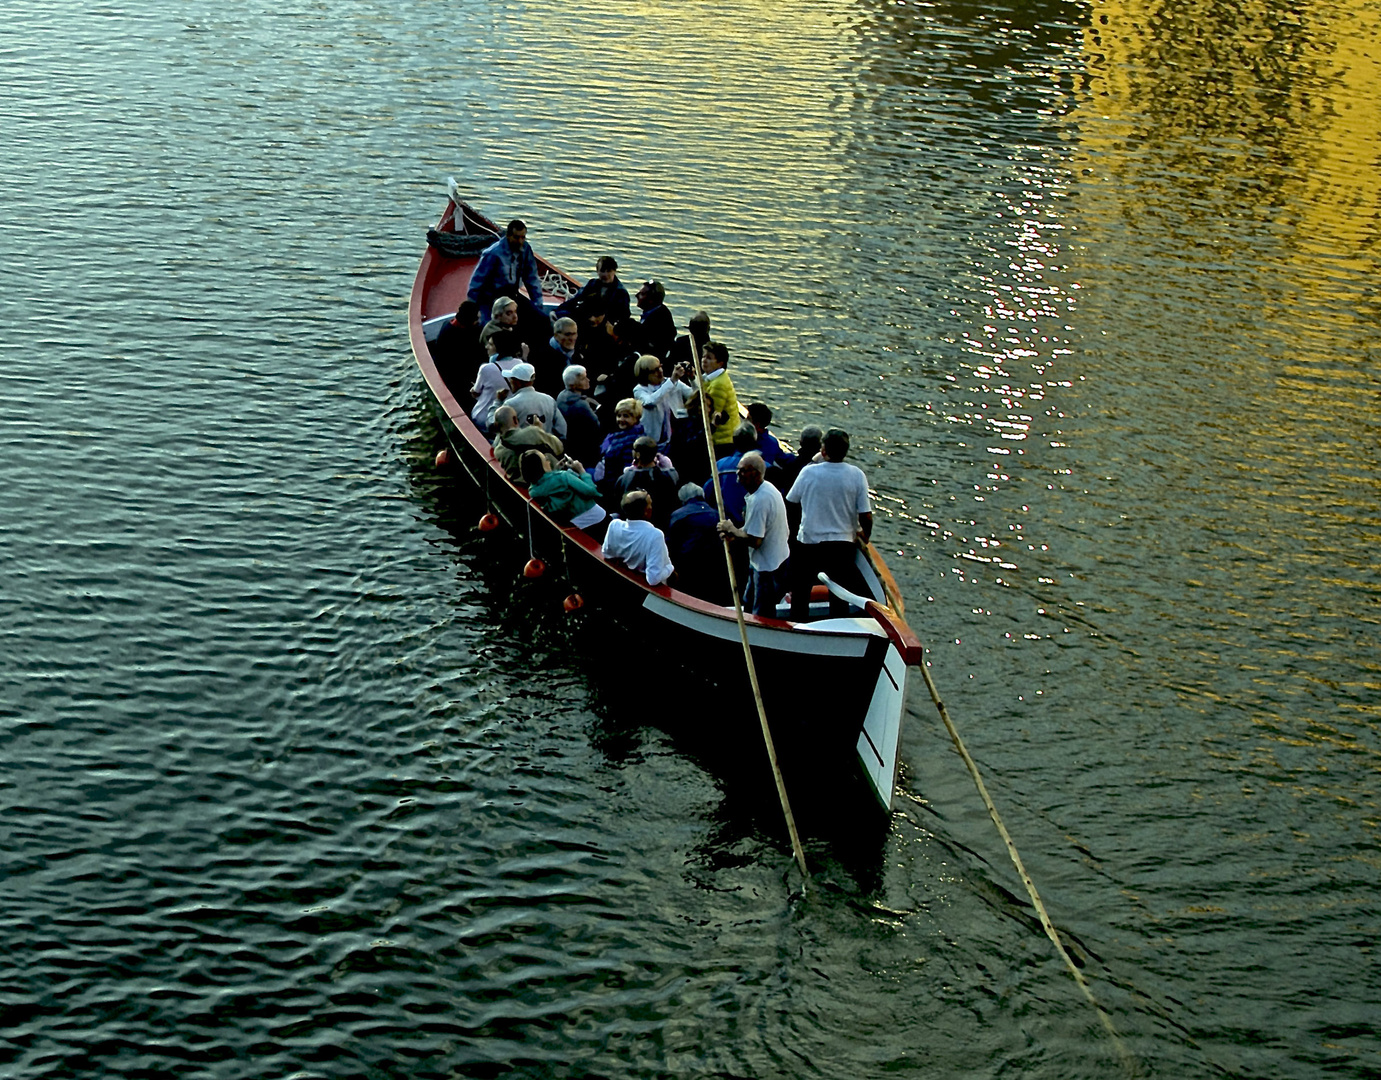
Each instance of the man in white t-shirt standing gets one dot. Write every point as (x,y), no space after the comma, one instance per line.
(765,532)
(835,516)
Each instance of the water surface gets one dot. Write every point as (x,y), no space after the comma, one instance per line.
(297,780)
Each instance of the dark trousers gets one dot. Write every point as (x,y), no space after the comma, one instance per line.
(837,559)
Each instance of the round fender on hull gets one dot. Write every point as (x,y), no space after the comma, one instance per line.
(535,568)
(488,523)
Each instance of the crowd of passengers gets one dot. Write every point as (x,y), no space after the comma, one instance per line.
(599,413)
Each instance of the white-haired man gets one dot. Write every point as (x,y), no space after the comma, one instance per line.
(503,315)
(555,355)
(583,432)
(765,532)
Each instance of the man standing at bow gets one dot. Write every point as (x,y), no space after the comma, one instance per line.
(504,266)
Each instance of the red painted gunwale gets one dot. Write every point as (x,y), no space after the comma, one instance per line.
(440,284)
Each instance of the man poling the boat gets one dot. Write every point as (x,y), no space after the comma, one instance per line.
(768,744)
(765,532)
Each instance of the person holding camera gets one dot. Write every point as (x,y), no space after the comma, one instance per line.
(565,491)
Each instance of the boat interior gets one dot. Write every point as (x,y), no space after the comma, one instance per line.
(820,595)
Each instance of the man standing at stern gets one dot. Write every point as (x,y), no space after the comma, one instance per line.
(835,516)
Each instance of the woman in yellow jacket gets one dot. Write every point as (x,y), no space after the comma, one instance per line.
(719,392)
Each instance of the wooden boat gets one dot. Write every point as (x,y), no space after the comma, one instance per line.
(834,688)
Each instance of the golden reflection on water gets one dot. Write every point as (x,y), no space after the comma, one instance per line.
(1229,220)
(1209,118)
(1231,152)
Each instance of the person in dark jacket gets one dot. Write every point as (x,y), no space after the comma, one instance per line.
(457,350)
(806,450)
(658,328)
(646,475)
(605,287)
(504,267)
(735,494)
(596,348)
(583,431)
(698,333)
(552,358)
(696,549)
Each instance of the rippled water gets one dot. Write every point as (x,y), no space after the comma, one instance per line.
(297,781)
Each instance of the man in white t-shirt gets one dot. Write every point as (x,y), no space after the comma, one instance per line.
(765,532)
(835,516)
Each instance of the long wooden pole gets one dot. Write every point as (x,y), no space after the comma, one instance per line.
(742,625)
(1046,924)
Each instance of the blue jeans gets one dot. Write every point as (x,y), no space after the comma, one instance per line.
(764,589)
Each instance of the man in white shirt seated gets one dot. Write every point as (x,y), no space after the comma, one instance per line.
(637,542)
(765,532)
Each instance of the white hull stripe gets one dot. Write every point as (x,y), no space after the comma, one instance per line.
(879,740)
(837,637)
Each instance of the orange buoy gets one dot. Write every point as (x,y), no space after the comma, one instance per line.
(443,458)
(574,602)
(535,568)
(489,523)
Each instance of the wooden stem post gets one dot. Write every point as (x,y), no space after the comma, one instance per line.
(743,626)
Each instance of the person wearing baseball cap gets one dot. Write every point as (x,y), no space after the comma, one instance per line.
(531,405)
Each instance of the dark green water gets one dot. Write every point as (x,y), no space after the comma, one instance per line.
(295,781)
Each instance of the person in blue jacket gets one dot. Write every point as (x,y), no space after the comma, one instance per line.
(504,266)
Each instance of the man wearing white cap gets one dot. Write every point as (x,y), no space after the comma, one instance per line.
(531,405)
